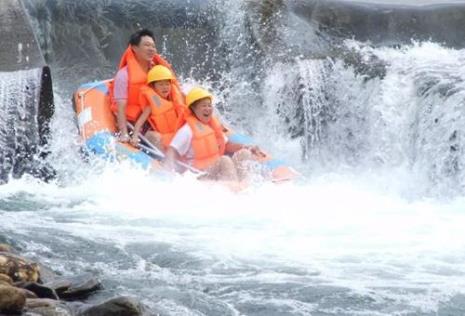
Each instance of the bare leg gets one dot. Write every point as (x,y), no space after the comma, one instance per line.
(242,159)
(223,170)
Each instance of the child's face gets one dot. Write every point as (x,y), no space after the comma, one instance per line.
(203,109)
(162,87)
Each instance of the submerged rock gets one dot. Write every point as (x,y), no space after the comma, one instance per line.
(18,268)
(75,286)
(12,300)
(119,306)
(46,274)
(46,307)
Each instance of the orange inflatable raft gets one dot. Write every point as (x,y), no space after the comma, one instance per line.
(97,127)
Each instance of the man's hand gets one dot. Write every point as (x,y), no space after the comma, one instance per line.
(135,140)
(124,138)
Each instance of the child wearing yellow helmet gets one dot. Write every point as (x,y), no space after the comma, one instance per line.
(201,142)
(162,104)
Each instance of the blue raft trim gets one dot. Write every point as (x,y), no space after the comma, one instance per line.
(274,163)
(100,142)
(99,85)
(247,140)
(241,139)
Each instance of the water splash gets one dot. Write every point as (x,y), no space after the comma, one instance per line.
(409,118)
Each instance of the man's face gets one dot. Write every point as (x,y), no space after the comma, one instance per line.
(146,49)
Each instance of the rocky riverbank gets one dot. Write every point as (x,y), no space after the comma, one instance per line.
(30,289)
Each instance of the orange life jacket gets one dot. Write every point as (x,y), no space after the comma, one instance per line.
(207,141)
(137,77)
(165,113)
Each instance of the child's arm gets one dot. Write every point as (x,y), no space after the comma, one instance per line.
(139,123)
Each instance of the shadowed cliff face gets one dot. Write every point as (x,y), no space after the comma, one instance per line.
(19,49)
(386,22)
(205,41)
(84,40)
(315,27)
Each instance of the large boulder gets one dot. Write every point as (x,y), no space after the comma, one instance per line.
(5,280)
(41,291)
(6,248)
(12,300)
(18,268)
(46,307)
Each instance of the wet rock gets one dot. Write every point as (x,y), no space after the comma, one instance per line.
(47,274)
(46,307)
(27,293)
(40,302)
(119,306)
(40,290)
(5,248)
(76,286)
(5,279)
(12,300)
(18,268)
(368,65)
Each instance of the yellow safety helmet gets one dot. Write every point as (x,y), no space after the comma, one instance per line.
(196,94)
(158,73)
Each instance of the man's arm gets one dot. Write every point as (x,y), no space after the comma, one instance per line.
(121,120)
(121,100)
(139,123)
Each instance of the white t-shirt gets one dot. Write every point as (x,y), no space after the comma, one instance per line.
(182,143)
(120,90)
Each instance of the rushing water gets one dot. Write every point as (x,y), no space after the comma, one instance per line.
(374,227)
(334,245)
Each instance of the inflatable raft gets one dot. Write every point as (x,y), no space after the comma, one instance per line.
(97,128)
